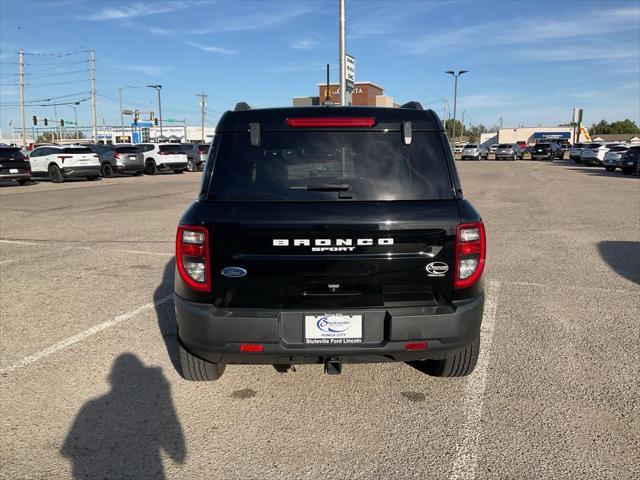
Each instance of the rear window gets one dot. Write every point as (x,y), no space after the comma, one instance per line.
(76,150)
(127,150)
(618,149)
(505,145)
(470,145)
(6,153)
(204,148)
(593,145)
(298,166)
(171,148)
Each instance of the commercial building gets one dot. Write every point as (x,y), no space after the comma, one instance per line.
(532,135)
(364,93)
(616,137)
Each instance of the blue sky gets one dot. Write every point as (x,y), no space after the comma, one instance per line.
(530,62)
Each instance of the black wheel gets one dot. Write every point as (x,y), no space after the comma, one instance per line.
(196,369)
(514,157)
(150,167)
(178,171)
(23,181)
(191,166)
(457,363)
(106,170)
(627,171)
(610,169)
(55,174)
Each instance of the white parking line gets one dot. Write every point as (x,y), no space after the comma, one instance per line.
(19,242)
(466,456)
(570,287)
(82,335)
(146,253)
(8,261)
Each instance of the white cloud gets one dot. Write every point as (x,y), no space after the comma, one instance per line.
(305,44)
(149,70)
(257,21)
(211,48)
(141,9)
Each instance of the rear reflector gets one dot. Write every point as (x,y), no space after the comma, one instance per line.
(415,346)
(249,347)
(331,122)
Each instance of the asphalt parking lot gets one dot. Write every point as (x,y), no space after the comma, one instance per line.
(89,387)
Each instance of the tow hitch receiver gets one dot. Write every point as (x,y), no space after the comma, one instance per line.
(333,366)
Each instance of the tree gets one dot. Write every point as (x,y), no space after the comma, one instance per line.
(52,137)
(620,127)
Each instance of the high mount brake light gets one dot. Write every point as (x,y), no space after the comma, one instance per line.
(192,257)
(331,122)
(471,249)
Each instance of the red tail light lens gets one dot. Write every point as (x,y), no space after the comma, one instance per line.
(331,122)
(471,248)
(192,257)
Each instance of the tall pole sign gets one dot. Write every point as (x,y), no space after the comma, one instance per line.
(350,80)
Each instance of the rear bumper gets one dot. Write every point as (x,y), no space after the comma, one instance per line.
(14,176)
(129,168)
(81,171)
(216,334)
(173,166)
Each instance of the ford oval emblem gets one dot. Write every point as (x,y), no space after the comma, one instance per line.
(234,272)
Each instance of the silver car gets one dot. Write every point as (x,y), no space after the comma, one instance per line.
(508,151)
(473,151)
(613,157)
(575,152)
(119,158)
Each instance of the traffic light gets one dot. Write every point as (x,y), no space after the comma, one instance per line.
(136,117)
(46,122)
(152,116)
(35,120)
(61,122)
(155,122)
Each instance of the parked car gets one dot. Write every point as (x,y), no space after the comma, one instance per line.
(119,158)
(458,147)
(612,158)
(546,151)
(473,151)
(575,152)
(14,165)
(203,151)
(493,148)
(630,161)
(319,238)
(508,151)
(163,156)
(59,162)
(194,162)
(593,153)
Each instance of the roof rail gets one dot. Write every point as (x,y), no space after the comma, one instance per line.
(241,107)
(413,105)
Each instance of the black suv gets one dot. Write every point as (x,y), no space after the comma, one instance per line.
(14,165)
(629,160)
(329,235)
(546,151)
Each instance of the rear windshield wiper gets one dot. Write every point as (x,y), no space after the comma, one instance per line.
(324,187)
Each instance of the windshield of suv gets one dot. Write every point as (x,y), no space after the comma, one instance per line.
(505,145)
(471,146)
(7,153)
(320,166)
(127,150)
(76,150)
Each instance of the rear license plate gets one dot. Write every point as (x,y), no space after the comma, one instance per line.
(13,170)
(332,328)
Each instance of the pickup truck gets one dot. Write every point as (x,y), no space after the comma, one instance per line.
(329,235)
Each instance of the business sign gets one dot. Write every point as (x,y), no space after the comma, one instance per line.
(552,135)
(350,73)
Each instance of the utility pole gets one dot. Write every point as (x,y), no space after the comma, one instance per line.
(75,117)
(22,121)
(203,105)
(343,60)
(455,97)
(93,96)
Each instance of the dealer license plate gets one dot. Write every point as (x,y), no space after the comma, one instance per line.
(13,170)
(332,328)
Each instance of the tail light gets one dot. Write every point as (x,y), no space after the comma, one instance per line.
(331,122)
(116,156)
(63,157)
(470,254)
(192,257)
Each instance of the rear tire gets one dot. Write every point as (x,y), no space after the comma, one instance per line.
(178,171)
(55,174)
(106,170)
(191,166)
(150,167)
(457,363)
(23,181)
(196,369)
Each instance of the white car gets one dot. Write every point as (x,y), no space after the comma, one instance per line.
(459,147)
(64,161)
(163,156)
(593,153)
(613,157)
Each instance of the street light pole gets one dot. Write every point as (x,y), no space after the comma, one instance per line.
(341,48)
(75,117)
(158,87)
(455,98)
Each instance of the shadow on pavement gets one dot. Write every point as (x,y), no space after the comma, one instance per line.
(122,433)
(622,257)
(166,314)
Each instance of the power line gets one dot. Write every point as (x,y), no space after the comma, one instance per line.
(58,83)
(56,73)
(57,55)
